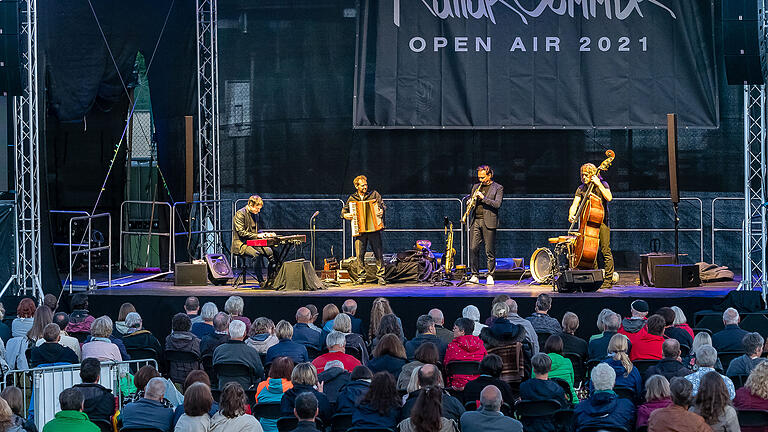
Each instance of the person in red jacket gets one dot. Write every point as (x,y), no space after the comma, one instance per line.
(464,347)
(633,327)
(648,345)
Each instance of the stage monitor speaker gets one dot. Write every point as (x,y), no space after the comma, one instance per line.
(672,156)
(676,276)
(649,261)
(742,42)
(190,274)
(298,275)
(219,270)
(579,280)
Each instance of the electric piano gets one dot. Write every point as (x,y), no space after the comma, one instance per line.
(281,245)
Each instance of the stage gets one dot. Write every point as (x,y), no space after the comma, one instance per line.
(158,300)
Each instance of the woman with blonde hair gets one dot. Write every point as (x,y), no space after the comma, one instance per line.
(304,380)
(330,311)
(657,395)
(627,375)
(681,321)
(754,394)
(380,308)
(701,339)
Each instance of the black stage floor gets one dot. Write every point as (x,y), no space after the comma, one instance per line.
(158,300)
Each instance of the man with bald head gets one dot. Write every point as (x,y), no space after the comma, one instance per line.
(488,418)
(430,376)
(349,307)
(302,332)
(670,365)
(530,333)
(441,332)
(729,338)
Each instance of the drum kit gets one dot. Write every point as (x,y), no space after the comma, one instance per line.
(547,264)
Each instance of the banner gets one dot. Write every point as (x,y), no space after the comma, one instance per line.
(535,64)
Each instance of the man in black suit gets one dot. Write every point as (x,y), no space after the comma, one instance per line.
(350,308)
(483,221)
(246,224)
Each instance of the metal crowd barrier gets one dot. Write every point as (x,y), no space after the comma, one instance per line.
(90,249)
(201,231)
(124,231)
(41,386)
(241,201)
(715,230)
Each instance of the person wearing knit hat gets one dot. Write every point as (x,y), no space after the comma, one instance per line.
(633,326)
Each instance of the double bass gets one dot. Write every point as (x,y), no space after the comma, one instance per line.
(589,216)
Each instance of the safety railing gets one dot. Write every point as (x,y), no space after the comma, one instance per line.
(190,231)
(614,202)
(73,213)
(125,231)
(89,249)
(236,204)
(715,229)
(41,386)
(459,211)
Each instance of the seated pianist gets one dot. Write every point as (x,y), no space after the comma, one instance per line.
(246,225)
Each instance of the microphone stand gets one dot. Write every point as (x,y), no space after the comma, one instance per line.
(312,236)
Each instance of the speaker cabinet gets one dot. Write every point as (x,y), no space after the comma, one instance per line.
(676,276)
(219,270)
(190,274)
(648,263)
(741,43)
(579,281)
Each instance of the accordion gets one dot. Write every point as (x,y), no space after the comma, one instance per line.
(364,217)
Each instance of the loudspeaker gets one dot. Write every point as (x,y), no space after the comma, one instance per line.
(190,274)
(676,275)
(219,270)
(648,263)
(10,53)
(741,43)
(672,156)
(579,280)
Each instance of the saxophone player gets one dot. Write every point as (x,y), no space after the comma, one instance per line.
(483,219)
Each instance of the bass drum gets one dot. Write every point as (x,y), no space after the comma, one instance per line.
(542,264)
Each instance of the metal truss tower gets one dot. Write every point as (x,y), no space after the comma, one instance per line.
(27,157)
(754,240)
(208,128)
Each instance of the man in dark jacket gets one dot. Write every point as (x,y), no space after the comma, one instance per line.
(220,335)
(149,412)
(140,338)
(353,391)
(99,401)
(306,410)
(363,239)
(286,347)
(350,308)
(729,338)
(333,377)
(429,375)
(246,224)
(541,388)
(425,332)
(303,333)
(441,332)
(235,351)
(598,347)
(603,408)
(182,340)
(482,222)
(753,348)
(670,365)
(51,351)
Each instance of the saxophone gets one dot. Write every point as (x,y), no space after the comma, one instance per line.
(450,252)
(470,206)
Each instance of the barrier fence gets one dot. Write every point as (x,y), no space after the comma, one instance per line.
(41,386)
(408,217)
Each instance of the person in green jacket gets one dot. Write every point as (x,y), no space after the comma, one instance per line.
(561,367)
(71,418)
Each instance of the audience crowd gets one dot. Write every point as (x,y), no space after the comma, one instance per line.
(219,371)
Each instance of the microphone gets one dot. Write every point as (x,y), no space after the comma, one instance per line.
(314,215)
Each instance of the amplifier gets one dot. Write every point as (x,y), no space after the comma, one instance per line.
(676,276)
(579,280)
(190,274)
